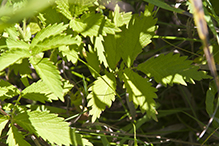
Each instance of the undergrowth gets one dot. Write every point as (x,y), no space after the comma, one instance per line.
(88,72)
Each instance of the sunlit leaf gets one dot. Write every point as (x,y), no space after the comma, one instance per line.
(169,69)
(102,94)
(10,57)
(51,30)
(46,125)
(3,122)
(141,92)
(54,42)
(50,75)
(11,43)
(63,7)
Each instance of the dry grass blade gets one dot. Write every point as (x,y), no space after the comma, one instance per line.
(203,34)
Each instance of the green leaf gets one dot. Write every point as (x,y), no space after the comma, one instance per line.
(46,125)
(34,27)
(11,43)
(210,96)
(100,50)
(169,69)
(3,121)
(121,18)
(63,7)
(49,74)
(102,94)
(83,2)
(71,54)
(138,35)
(111,49)
(23,67)
(92,24)
(13,33)
(140,92)
(48,32)
(164,5)
(10,57)
(92,60)
(7,90)
(15,138)
(78,140)
(54,42)
(39,91)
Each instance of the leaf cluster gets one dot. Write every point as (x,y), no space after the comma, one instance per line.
(46,52)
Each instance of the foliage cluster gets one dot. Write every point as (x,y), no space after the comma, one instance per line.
(83,55)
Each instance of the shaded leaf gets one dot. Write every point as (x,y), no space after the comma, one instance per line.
(169,69)
(92,24)
(22,68)
(210,96)
(15,138)
(7,90)
(140,92)
(164,5)
(92,60)
(111,49)
(138,35)
(101,95)
(78,140)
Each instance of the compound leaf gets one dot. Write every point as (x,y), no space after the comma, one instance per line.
(49,74)
(169,69)
(102,94)
(140,92)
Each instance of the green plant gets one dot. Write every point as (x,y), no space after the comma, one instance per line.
(36,62)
